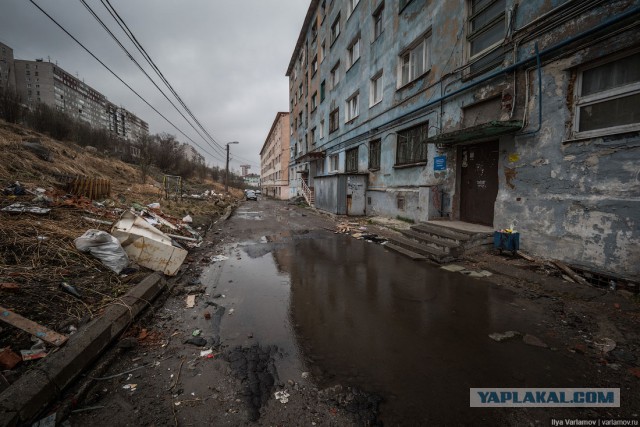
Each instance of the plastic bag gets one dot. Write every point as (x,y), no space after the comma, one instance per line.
(105,247)
(187,219)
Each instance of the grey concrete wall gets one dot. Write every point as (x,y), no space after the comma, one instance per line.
(326,189)
(356,189)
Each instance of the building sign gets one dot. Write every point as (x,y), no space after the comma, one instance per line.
(440,163)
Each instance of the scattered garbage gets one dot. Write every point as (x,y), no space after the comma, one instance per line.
(605,345)
(155,205)
(282,396)
(15,189)
(19,208)
(71,290)
(131,387)
(206,353)
(40,150)
(305,375)
(218,258)
(148,246)
(196,332)
(505,336)
(32,354)
(197,341)
(105,247)
(8,359)
(187,219)
(191,301)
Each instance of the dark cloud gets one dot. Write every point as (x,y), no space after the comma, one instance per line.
(226,59)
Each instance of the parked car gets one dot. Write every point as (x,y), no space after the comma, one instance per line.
(251,195)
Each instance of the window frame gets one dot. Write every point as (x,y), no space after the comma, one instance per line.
(352,113)
(376,78)
(334,163)
(334,120)
(415,157)
(424,40)
(402,6)
(581,101)
(471,35)
(351,162)
(314,101)
(353,48)
(335,30)
(351,7)
(335,75)
(377,21)
(375,154)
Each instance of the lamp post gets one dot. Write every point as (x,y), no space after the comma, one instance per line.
(226,171)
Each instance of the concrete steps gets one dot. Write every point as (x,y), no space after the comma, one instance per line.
(439,242)
(414,256)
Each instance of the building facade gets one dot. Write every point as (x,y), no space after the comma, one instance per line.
(495,112)
(274,159)
(7,73)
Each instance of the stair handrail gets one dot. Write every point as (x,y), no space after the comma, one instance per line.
(306,191)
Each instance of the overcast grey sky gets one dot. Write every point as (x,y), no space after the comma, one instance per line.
(226,59)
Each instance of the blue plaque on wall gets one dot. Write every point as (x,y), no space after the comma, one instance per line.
(440,163)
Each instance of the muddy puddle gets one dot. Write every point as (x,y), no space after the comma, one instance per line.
(352,313)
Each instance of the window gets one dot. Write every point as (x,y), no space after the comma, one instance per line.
(412,145)
(352,107)
(335,29)
(335,75)
(323,51)
(300,91)
(352,6)
(313,136)
(334,120)
(322,91)
(608,98)
(314,101)
(333,163)
(374,154)
(377,21)
(321,131)
(314,66)
(486,29)
(376,89)
(351,161)
(414,61)
(314,30)
(353,52)
(300,119)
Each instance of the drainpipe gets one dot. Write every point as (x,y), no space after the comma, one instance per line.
(531,132)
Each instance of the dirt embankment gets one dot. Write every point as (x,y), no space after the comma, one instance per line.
(37,250)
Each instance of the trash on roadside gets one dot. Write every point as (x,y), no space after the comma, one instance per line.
(8,359)
(605,345)
(33,354)
(14,189)
(206,353)
(19,208)
(187,219)
(282,396)
(131,387)
(155,205)
(218,258)
(197,341)
(71,290)
(148,246)
(231,311)
(196,333)
(9,286)
(105,247)
(33,328)
(505,336)
(191,301)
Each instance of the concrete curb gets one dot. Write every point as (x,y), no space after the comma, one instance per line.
(37,388)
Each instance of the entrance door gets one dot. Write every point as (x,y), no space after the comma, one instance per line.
(478,182)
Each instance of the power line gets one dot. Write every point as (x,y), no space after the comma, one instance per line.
(106,28)
(114,13)
(118,77)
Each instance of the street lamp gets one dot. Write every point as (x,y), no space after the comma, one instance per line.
(226,171)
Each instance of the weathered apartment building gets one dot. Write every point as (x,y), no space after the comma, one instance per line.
(45,82)
(274,159)
(493,112)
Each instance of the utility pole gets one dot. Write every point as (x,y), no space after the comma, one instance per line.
(226,170)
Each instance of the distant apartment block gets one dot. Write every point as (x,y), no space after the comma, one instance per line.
(6,67)
(39,82)
(274,159)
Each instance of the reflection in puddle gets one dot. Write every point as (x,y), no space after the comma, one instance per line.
(355,314)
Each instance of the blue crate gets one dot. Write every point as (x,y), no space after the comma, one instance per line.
(506,241)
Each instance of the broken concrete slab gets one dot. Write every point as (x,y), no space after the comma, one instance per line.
(148,246)
(505,336)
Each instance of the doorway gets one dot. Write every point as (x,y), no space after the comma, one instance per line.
(478,182)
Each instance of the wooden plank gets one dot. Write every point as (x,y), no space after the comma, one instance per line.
(527,257)
(571,273)
(39,331)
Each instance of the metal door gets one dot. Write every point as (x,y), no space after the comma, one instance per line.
(478,182)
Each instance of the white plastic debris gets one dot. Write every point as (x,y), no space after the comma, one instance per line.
(282,396)
(187,219)
(218,258)
(155,205)
(205,353)
(131,387)
(105,247)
